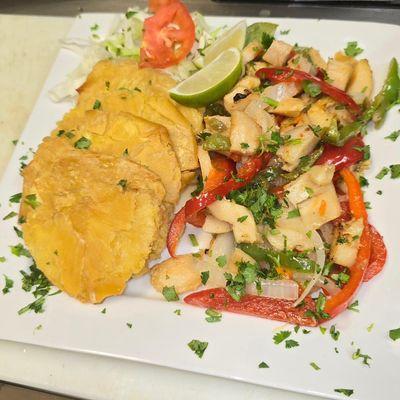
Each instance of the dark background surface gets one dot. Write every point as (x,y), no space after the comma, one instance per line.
(379,11)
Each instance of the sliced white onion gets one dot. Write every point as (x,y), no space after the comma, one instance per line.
(320,260)
(279,289)
(205,161)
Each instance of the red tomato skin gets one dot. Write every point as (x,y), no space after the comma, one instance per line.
(378,255)
(256,306)
(161,35)
(155,5)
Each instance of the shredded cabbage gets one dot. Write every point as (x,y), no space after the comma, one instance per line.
(123,41)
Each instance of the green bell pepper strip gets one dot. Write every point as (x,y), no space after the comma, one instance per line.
(383,101)
(217,142)
(287,259)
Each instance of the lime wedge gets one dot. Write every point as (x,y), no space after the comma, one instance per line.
(234,37)
(210,83)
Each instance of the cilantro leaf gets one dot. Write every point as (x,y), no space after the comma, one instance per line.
(393,136)
(334,333)
(15,198)
(395,171)
(263,365)
(366,150)
(352,49)
(8,285)
(353,306)
(213,315)
(221,261)
(82,143)
(204,276)
(32,201)
(281,336)
(291,343)
(357,354)
(19,250)
(266,40)
(169,293)
(10,215)
(346,392)
(198,347)
(242,218)
(310,88)
(96,105)
(394,334)
(382,173)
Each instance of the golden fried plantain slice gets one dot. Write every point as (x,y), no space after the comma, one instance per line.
(120,85)
(138,139)
(95,221)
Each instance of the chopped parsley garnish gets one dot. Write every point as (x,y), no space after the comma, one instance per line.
(395,171)
(193,240)
(94,27)
(198,347)
(15,198)
(10,215)
(291,343)
(204,277)
(178,312)
(130,14)
(19,250)
(281,336)
(346,392)
(310,192)
(353,306)
(82,143)
(18,232)
(394,334)
(320,306)
(242,218)
(357,354)
(96,105)
(310,88)
(315,366)
(32,201)
(370,327)
(36,306)
(322,329)
(382,173)
(129,325)
(363,181)
(263,365)
(379,192)
(2,259)
(244,145)
(169,293)
(336,350)
(68,134)
(123,183)
(296,328)
(8,284)
(284,32)
(271,102)
(107,84)
(334,333)
(14,142)
(294,213)
(366,150)
(213,315)
(306,331)
(393,136)
(221,261)
(104,310)
(266,40)
(125,153)
(352,49)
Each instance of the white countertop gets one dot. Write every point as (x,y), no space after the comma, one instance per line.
(29,46)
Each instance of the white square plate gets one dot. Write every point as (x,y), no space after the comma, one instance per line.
(237,344)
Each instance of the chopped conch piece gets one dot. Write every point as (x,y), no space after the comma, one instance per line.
(289,108)
(291,152)
(317,59)
(249,82)
(253,67)
(318,116)
(251,51)
(256,110)
(245,133)
(320,209)
(281,91)
(278,53)
(347,241)
(237,99)
(180,272)
(242,220)
(361,82)
(290,239)
(301,63)
(214,225)
(339,73)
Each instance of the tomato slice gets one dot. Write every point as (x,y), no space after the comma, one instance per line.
(256,306)
(168,36)
(378,255)
(155,5)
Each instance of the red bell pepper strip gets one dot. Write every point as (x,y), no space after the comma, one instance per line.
(221,170)
(337,303)
(285,74)
(342,157)
(378,255)
(257,306)
(244,175)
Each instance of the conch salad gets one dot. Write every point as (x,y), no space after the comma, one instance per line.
(280,183)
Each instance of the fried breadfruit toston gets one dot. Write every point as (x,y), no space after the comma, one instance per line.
(120,85)
(123,134)
(96,221)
